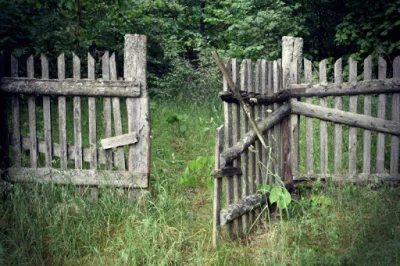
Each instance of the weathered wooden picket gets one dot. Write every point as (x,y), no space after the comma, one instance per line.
(108,162)
(279,103)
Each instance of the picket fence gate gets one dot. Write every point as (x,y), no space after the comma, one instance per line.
(278,102)
(31,150)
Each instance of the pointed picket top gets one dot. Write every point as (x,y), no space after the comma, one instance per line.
(76,66)
(307,71)
(368,68)
(338,71)
(105,66)
(91,66)
(61,66)
(113,67)
(352,70)
(382,68)
(30,70)
(396,67)
(322,72)
(45,66)
(14,66)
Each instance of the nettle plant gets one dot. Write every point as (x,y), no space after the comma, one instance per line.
(195,170)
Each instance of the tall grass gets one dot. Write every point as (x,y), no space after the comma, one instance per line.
(171,224)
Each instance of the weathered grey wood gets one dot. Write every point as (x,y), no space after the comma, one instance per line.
(355,179)
(46,114)
(323,125)
(264,113)
(62,125)
(244,157)
(219,146)
(87,156)
(84,87)
(319,90)
(257,146)
(235,137)
(245,205)
(92,117)
(4,132)
(292,53)
(367,111)
(77,116)
(309,122)
(227,172)
(81,177)
(119,156)
(347,118)
(394,147)
(247,139)
(118,141)
(338,127)
(16,132)
(32,115)
(352,130)
(138,109)
(380,146)
(105,68)
(276,135)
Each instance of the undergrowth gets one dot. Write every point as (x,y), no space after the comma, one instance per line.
(171,224)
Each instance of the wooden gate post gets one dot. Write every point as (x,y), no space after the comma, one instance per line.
(292,51)
(135,62)
(4,158)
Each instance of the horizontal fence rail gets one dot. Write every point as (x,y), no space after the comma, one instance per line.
(91,132)
(316,124)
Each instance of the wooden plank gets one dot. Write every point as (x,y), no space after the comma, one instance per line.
(245,205)
(219,146)
(105,68)
(244,157)
(338,127)
(227,172)
(276,135)
(320,90)
(367,111)
(62,112)
(4,132)
(323,125)
(347,118)
(135,63)
(84,87)
(394,147)
(309,122)
(118,141)
(32,116)
(235,137)
(77,116)
(360,178)
(16,131)
(46,114)
(264,112)
(119,156)
(92,117)
(380,146)
(270,108)
(248,138)
(79,177)
(252,158)
(257,144)
(353,130)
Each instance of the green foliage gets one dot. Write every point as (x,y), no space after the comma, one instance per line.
(196,169)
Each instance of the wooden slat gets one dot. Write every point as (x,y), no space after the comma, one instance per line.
(32,116)
(92,117)
(228,143)
(227,172)
(367,111)
(46,114)
(62,112)
(105,68)
(309,122)
(244,157)
(118,141)
(235,137)
(79,177)
(394,148)
(219,146)
(270,107)
(338,127)
(245,205)
(276,136)
(353,130)
(119,156)
(264,89)
(361,178)
(16,131)
(323,125)
(4,132)
(77,116)
(380,146)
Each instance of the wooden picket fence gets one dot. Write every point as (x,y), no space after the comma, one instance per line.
(279,103)
(115,158)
